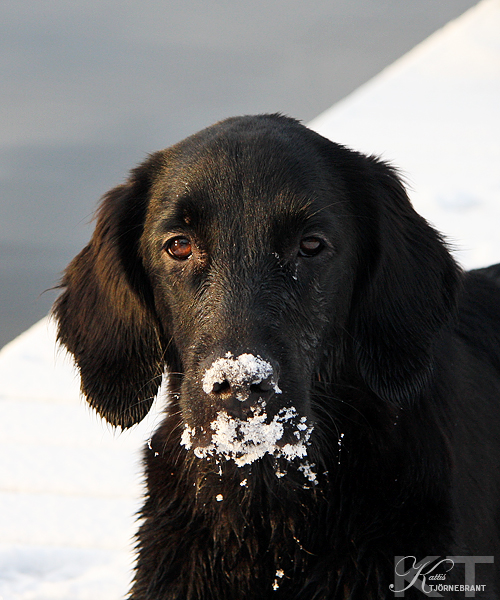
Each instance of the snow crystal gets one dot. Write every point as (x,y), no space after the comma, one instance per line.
(279,575)
(150,446)
(244,370)
(219,497)
(341,438)
(247,441)
(307,469)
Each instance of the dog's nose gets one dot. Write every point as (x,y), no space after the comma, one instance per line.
(243,390)
(241,383)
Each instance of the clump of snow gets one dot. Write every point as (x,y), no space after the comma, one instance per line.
(219,497)
(247,441)
(187,435)
(307,469)
(279,575)
(242,371)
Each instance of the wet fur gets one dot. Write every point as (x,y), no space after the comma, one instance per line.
(390,349)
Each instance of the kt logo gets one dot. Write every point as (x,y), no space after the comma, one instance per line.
(429,575)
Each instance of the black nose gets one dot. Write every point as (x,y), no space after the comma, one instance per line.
(243,390)
(240,384)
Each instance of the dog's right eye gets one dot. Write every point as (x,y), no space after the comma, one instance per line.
(179,248)
(310,246)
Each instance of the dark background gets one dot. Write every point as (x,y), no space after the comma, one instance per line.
(88,88)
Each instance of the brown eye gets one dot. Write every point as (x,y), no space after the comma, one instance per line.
(310,246)
(179,248)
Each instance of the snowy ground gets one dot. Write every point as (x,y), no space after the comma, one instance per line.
(69,486)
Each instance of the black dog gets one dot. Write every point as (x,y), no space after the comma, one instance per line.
(334,377)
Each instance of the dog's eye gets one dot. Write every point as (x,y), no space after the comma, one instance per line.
(179,248)
(310,246)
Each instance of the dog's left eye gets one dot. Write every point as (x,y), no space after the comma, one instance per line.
(179,248)
(310,246)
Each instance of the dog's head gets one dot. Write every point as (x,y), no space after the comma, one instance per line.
(250,260)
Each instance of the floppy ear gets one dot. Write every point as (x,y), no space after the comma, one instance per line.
(105,315)
(406,292)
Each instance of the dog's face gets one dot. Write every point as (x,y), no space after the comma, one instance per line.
(248,245)
(253,260)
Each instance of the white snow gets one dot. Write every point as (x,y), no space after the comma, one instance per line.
(279,575)
(69,485)
(307,470)
(187,436)
(247,441)
(240,371)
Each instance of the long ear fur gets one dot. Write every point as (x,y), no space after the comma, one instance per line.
(406,293)
(105,315)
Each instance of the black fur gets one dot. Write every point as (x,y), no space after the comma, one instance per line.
(390,351)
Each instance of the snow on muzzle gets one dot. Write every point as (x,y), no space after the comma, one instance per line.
(247,440)
(240,376)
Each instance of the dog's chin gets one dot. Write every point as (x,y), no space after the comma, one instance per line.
(237,449)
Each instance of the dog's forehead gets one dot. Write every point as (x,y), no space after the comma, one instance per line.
(253,175)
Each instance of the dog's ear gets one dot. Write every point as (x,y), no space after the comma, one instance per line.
(406,291)
(105,315)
